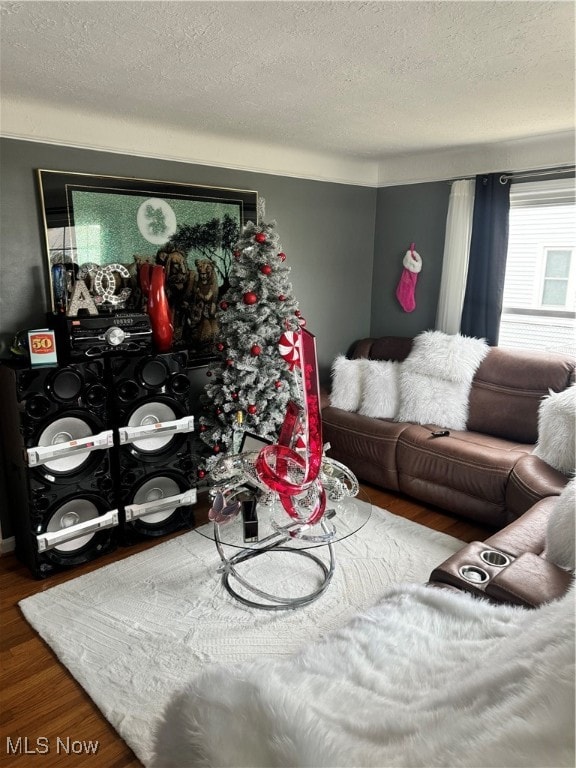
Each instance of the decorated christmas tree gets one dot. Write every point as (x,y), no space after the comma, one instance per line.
(252,382)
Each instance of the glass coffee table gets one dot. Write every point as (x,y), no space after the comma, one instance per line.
(275,535)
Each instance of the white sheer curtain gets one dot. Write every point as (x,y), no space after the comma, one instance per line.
(456,253)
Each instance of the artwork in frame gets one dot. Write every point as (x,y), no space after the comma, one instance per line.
(96,222)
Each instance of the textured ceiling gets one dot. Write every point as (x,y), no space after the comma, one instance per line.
(358,79)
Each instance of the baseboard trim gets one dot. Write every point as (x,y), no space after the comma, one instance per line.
(7,545)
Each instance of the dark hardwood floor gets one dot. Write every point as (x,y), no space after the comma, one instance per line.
(41,703)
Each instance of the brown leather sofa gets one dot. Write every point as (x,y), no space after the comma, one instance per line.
(486,473)
(511,566)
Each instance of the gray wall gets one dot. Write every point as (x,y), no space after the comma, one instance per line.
(326,230)
(411,213)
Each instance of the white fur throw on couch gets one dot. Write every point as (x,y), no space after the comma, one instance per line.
(425,677)
(436,377)
(557,430)
(561,529)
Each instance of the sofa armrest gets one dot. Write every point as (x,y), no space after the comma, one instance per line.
(529,580)
(530,481)
(528,532)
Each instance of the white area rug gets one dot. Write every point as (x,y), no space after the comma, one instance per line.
(132,633)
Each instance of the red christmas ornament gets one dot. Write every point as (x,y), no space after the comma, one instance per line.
(224,305)
(201,473)
(281,297)
(277,384)
(229,362)
(265,269)
(282,256)
(297,313)
(234,395)
(250,298)
(237,254)
(260,237)
(220,347)
(252,409)
(255,350)
(216,448)
(218,411)
(203,427)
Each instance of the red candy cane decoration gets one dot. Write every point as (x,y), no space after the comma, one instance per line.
(273,461)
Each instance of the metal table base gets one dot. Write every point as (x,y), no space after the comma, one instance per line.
(271,544)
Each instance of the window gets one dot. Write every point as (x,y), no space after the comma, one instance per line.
(556,278)
(539,307)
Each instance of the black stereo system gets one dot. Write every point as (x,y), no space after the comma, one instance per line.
(87,337)
(97,453)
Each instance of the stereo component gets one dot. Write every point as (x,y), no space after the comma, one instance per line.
(86,336)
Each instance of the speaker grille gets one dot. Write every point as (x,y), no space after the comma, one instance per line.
(152,412)
(154,373)
(78,510)
(66,384)
(62,431)
(154,489)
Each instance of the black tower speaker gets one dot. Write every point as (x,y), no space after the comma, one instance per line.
(154,468)
(56,445)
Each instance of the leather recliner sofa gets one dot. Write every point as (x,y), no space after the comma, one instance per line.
(486,473)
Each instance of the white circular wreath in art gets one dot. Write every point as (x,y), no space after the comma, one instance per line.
(156,220)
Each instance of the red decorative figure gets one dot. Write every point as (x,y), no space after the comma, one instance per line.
(152,282)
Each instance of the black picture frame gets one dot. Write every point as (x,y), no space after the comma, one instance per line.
(252,442)
(93,221)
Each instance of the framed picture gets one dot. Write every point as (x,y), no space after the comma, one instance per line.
(251,442)
(96,222)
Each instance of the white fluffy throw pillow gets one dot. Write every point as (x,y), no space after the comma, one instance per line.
(379,389)
(557,430)
(436,377)
(560,531)
(346,389)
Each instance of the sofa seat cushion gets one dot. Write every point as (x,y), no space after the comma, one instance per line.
(364,444)
(531,480)
(464,472)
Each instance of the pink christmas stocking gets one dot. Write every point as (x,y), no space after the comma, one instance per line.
(405,292)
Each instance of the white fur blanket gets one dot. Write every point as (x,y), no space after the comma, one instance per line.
(426,677)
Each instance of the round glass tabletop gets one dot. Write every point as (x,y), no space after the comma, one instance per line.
(254,528)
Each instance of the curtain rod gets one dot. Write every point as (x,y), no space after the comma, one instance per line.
(535,174)
(522,174)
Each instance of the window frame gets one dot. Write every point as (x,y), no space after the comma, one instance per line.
(542,278)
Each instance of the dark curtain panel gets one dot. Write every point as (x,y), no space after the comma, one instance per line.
(487,264)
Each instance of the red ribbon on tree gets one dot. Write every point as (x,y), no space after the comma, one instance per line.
(275,463)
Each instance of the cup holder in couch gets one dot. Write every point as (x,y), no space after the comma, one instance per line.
(492,557)
(473,574)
